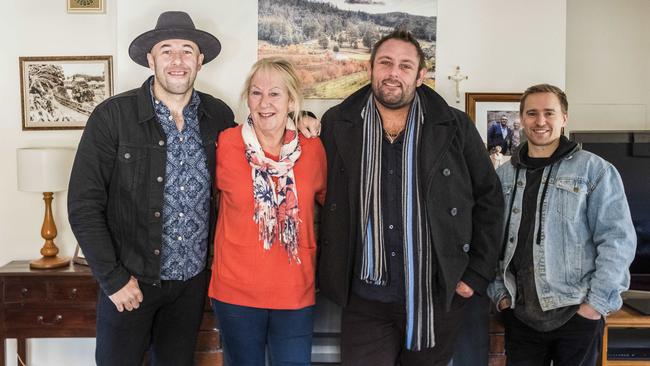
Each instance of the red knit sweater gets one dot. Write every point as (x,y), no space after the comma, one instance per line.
(243,273)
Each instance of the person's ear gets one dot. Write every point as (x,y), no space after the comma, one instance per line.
(151,62)
(421,74)
(292,105)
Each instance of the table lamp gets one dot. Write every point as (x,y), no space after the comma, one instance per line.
(45,170)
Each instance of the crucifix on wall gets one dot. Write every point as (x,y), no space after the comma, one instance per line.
(457,78)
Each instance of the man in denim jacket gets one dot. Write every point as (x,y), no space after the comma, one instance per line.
(568,241)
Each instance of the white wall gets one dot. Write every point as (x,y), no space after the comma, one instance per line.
(40,28)
(503,45)
(608,64)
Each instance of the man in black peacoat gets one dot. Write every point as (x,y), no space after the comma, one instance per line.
(464,211)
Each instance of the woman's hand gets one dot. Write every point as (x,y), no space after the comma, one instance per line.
(309,126)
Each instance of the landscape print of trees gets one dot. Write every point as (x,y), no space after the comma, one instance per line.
(329,40)
(61,93)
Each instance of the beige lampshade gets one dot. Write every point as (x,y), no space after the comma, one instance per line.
(44,169)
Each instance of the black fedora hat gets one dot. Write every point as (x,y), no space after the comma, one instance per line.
(174,25)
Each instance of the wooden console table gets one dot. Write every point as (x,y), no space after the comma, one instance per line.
(624,318)
(61,303)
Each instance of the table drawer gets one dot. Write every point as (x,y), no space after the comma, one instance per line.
(30,291)
(21,290)
(50,320)
(77,291)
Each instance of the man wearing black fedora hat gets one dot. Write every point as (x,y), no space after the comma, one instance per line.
(141,198)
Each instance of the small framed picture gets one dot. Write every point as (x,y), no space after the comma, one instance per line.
(60,92)
(85,6)
(496,116)
(78,257)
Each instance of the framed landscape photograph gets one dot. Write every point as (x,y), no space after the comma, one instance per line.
(85,6)
(329,41)
(60,92)
(496,116)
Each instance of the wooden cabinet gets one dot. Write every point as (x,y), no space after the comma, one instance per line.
(61,303)
(497,355)
(45,303)
(624,318)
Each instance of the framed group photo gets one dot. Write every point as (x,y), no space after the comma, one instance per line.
(60,92)
(496,116)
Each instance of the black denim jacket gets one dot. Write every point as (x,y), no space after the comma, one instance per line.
(115,197)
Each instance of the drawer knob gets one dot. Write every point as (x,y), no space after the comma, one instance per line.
(24,291)
(73,293)
(57,320)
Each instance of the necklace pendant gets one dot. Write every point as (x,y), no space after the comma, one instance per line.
(391,137)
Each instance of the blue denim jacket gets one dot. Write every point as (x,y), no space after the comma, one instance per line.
(587,237)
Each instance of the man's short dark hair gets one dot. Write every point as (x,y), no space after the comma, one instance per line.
(545,88)
(401,35)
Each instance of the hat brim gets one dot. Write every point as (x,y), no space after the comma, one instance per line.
(208,44)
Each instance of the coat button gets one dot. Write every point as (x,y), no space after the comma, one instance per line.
(465,248)
(512,239)
(333,207)
(453,211)
(161,143)
(520,184)
(156,252)
(515,210)
(156,214)
(127,156)
(159,179)
(446,172)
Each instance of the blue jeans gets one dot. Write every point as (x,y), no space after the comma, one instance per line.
(247,332)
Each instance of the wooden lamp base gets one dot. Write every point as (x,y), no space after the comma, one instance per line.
(49,250)
(49,262)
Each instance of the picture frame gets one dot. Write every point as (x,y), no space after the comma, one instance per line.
(485,108)
(78,257)
(60,92)
(85,6)
(331,48)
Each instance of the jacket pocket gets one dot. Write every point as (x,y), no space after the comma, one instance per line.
(131,167)
(572,193)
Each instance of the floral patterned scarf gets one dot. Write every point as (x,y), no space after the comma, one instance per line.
(276,210)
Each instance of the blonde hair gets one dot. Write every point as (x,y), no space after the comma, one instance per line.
(289,76)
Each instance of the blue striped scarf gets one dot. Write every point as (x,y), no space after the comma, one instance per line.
(417,248)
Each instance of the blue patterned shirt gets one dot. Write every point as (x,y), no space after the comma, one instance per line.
(186,204)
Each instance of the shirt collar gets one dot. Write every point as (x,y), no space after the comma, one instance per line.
(193,105)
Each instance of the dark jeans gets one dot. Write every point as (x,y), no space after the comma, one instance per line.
(576,343)
(247,332)
(473,343)
(166,323)
(373,333)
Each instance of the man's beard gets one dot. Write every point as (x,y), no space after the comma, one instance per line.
(392,101)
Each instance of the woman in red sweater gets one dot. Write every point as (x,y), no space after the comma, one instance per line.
(269,178)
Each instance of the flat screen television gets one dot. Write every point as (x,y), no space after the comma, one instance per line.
(629,152)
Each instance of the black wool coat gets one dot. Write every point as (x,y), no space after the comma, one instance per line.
(464,202)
